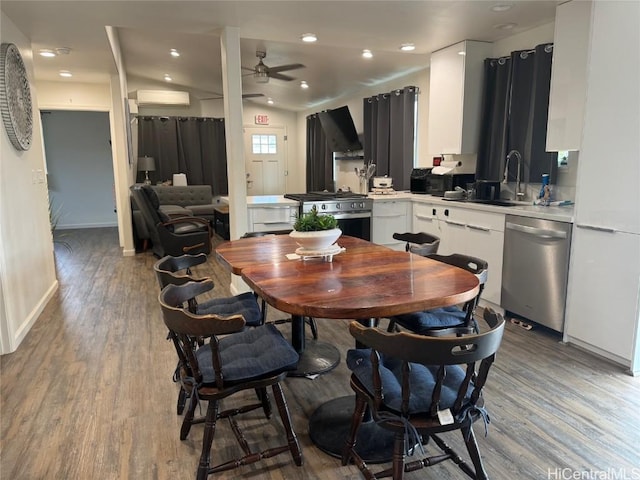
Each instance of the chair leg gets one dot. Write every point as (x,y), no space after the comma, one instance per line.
(356,421)
(398,456)
(474,452)
(207,440)
(283,409)
(182,398)
(263,396)
(188,417)
(314,328)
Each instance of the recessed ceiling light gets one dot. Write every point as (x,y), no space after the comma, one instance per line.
(63,50)
(65,73)
(45,52)
(270,101)
(304,84)
(174,52)
(505,26)
(462,52)
(407,47)
(167,77)
(309,37)
(501,7)
(367,54)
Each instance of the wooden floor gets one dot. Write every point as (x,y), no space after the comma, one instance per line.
(88,394)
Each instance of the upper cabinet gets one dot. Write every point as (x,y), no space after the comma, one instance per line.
(568,76)
(455,97)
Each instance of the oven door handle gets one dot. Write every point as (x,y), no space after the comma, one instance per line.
(349,216)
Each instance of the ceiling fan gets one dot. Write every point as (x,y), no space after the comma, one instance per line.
(262,73)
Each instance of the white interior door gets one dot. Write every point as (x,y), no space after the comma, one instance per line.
(265,160)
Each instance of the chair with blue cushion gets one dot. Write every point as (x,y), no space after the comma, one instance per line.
(420,387)
(177,271)
(439,321)
(254,358)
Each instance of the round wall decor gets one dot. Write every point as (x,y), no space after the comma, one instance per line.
(15,97)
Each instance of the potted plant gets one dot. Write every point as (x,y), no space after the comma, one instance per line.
(315,231)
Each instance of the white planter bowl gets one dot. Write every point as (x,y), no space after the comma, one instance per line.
(316,240)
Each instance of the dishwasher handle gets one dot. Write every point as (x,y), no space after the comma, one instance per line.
(538,232)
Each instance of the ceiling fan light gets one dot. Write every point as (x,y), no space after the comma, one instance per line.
(367,54)
(174,53)
(45,52)
(65,73)
(309,37)
(261,76)
(270,101)
(407,47)
(304,84)
(167,77)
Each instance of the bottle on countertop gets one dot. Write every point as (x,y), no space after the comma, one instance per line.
(544,196)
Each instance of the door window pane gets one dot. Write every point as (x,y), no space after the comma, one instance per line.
(263,144)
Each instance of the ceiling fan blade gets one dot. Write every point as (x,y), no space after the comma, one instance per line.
(280,76)
(252,95)
(283,68)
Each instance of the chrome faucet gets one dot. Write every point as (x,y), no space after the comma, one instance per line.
(518,193)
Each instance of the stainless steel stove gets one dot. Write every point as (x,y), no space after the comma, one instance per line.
(352,210)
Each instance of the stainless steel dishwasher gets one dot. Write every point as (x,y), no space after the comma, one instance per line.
(534,270)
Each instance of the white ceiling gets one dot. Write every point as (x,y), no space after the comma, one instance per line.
(334,66)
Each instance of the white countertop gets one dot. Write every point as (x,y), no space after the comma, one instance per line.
(524,209)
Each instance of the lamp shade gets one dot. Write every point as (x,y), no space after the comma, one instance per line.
(146,164)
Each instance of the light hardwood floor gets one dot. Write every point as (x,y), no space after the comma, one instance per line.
(88,394)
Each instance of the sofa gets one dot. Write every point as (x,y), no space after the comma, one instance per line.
(176,201)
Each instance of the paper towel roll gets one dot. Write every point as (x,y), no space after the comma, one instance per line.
(445,167)
(179,180)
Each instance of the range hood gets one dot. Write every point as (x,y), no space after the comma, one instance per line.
(339,129)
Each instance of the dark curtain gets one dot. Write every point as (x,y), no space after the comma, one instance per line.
(389,134)
(190,145)
(492,145)
(319,157)
(514,116)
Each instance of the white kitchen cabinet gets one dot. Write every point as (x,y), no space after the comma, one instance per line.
(455,97)
(604,272)
(602,306)
(568,76)
(466,231)
(272,218)
(389,217)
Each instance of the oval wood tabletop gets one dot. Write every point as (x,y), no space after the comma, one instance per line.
(364,281)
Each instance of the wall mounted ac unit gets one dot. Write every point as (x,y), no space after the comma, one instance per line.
(162,97)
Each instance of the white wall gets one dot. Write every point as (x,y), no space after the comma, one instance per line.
(27,270)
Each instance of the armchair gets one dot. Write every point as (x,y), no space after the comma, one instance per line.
(171,236)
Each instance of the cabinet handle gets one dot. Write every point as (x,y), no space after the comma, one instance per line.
(391,215)
(273,222)
(478,227)
(457,224)
(538,232)
(422,217)
(596,228)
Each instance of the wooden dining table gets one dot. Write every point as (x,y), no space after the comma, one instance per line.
(364,282)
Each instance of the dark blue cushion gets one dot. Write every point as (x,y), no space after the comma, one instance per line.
(244,304)
(422,380)
(444,317)
(249,355)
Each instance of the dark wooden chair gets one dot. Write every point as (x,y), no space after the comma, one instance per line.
(177,271)
(307,320)
(254,358)
(420,387)
(171,236)
(421,243)
(440,321)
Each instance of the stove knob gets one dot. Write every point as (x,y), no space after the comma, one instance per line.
(323,207)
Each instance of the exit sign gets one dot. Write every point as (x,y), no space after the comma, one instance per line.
(262,119)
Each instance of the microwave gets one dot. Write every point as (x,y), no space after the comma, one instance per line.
(423,181)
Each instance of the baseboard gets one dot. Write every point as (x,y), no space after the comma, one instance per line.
(28,323)
(611,357)
(86,225)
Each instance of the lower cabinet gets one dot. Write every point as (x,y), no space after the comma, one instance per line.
(603,306)
(389,217)
(470,232)
(271,218)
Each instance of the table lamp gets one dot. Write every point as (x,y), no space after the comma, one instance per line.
(146,165)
